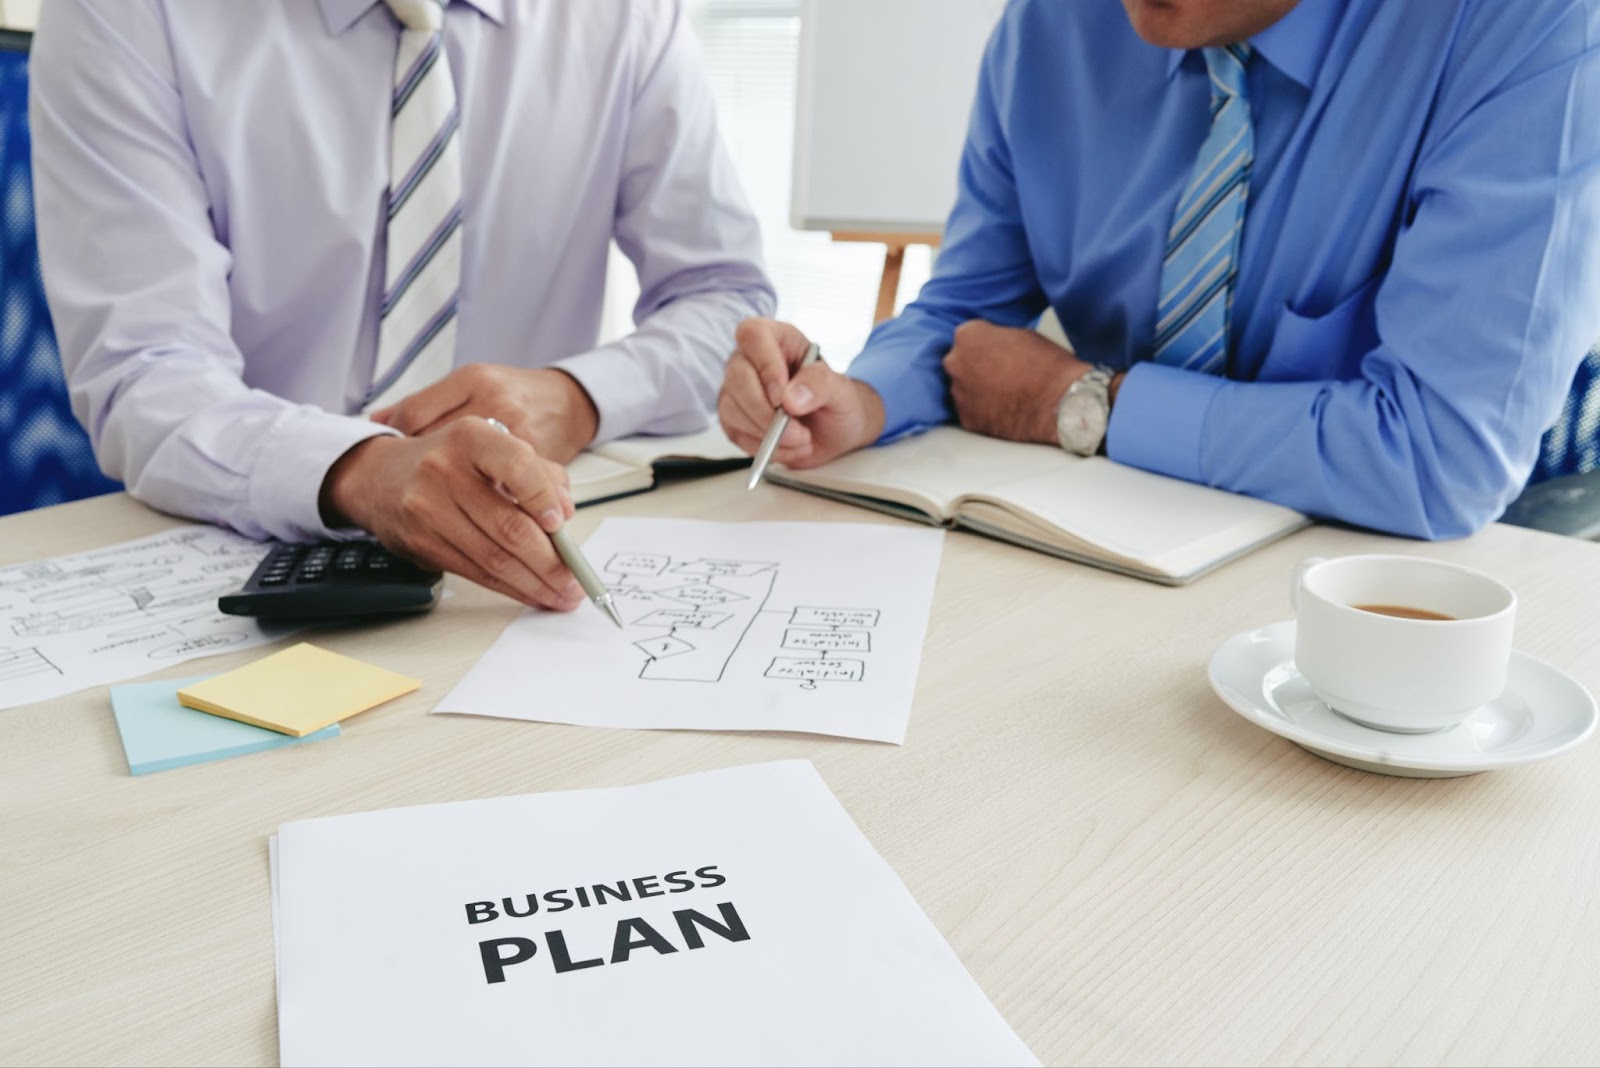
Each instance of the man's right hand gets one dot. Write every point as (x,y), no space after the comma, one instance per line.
(830,414)
(466,499)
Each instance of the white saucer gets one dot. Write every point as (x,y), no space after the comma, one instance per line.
(1543,712)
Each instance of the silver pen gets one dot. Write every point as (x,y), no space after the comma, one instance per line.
(577,563)
(573,557)
(780,423)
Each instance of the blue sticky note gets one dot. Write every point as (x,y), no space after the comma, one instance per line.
(158,733)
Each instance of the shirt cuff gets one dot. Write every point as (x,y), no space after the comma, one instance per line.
(1159,420)
(905,400)
(286,483)
(612,380)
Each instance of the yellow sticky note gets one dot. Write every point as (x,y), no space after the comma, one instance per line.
(298,691)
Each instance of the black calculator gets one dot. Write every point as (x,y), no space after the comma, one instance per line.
(333,580)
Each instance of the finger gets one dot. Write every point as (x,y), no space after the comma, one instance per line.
(773,349)
(563,482)
(442,421)
(744,388)
(512,464)
(423,410)
(447,557)
(735,419)
(509,545)
(746,442)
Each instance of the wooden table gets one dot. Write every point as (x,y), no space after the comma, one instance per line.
(1132,872)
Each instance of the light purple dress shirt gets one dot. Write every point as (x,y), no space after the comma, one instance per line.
(210,179)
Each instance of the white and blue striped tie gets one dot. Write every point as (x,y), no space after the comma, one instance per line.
(422,270)
(1202,257)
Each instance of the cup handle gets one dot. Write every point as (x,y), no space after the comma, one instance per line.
(1298,576)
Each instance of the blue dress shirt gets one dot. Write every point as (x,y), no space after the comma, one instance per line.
(1420,265)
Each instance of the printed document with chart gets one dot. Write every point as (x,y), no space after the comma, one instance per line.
(71,622)
(732,917)
(812,627)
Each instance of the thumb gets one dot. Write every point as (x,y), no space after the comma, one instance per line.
(814,387)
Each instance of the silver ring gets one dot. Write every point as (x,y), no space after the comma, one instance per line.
(498,425)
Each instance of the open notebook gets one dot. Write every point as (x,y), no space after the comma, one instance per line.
(1088,509)
(631,465)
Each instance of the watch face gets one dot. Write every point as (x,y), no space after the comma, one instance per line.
(1081,423)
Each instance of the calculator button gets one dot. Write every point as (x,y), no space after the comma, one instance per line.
(275,579)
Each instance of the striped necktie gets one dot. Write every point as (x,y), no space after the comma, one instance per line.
(422,270)
(1202,257)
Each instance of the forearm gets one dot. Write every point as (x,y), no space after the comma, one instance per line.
(1381,454)
(192,440)
(664,377)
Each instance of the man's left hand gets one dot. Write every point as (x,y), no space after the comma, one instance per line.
(545,407)
(1007,382)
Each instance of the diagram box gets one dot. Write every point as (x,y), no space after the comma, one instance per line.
(787,667)
(702,594)
(684,617)
(664,646)
(723,568)
(834,617)
(828,641)
(637,563)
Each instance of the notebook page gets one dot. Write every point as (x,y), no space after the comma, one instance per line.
(937,467)
(1167,524)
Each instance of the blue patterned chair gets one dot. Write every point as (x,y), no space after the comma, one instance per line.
(1563,496)
(45,456)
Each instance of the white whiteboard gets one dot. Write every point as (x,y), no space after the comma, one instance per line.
(881,112)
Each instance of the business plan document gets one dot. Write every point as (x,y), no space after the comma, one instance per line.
(812,627)
(734,917)
(71,622)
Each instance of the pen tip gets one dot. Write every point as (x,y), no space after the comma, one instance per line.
(612,614)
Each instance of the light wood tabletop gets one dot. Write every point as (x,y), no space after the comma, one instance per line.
(1131,871)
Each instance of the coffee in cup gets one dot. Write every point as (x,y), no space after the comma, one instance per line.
(1402,643)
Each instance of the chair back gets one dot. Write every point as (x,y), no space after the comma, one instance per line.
(45,456)
(1572,445)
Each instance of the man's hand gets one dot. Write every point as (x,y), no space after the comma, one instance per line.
(546,408)
(466,499)
(1007,382)
(830,414)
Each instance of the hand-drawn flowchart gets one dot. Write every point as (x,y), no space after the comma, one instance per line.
(125,610)
(698,613)
(767,626)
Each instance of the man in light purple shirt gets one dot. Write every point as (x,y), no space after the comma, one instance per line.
(211,181)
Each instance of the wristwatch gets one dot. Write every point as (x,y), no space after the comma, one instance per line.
(1084,411)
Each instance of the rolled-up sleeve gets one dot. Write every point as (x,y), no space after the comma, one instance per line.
(683,221)
(137,283)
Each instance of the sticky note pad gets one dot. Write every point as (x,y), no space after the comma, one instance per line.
(158,733)
(297,691)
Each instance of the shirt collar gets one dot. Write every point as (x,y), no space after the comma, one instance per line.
(1295,44)
(340,15)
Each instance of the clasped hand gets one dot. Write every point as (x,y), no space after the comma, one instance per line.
(458,495)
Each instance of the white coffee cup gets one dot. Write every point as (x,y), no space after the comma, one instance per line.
(1400,674)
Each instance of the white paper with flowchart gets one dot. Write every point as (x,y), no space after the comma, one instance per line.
(71,622)
(814,627)
(730,917)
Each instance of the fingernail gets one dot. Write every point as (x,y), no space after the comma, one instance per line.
(800,395)
(573,591)
(550,519)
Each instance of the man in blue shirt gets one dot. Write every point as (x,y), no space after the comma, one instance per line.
(1340,254)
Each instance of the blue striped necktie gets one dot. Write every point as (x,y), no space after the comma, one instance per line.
(1202,257)
(422,268)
